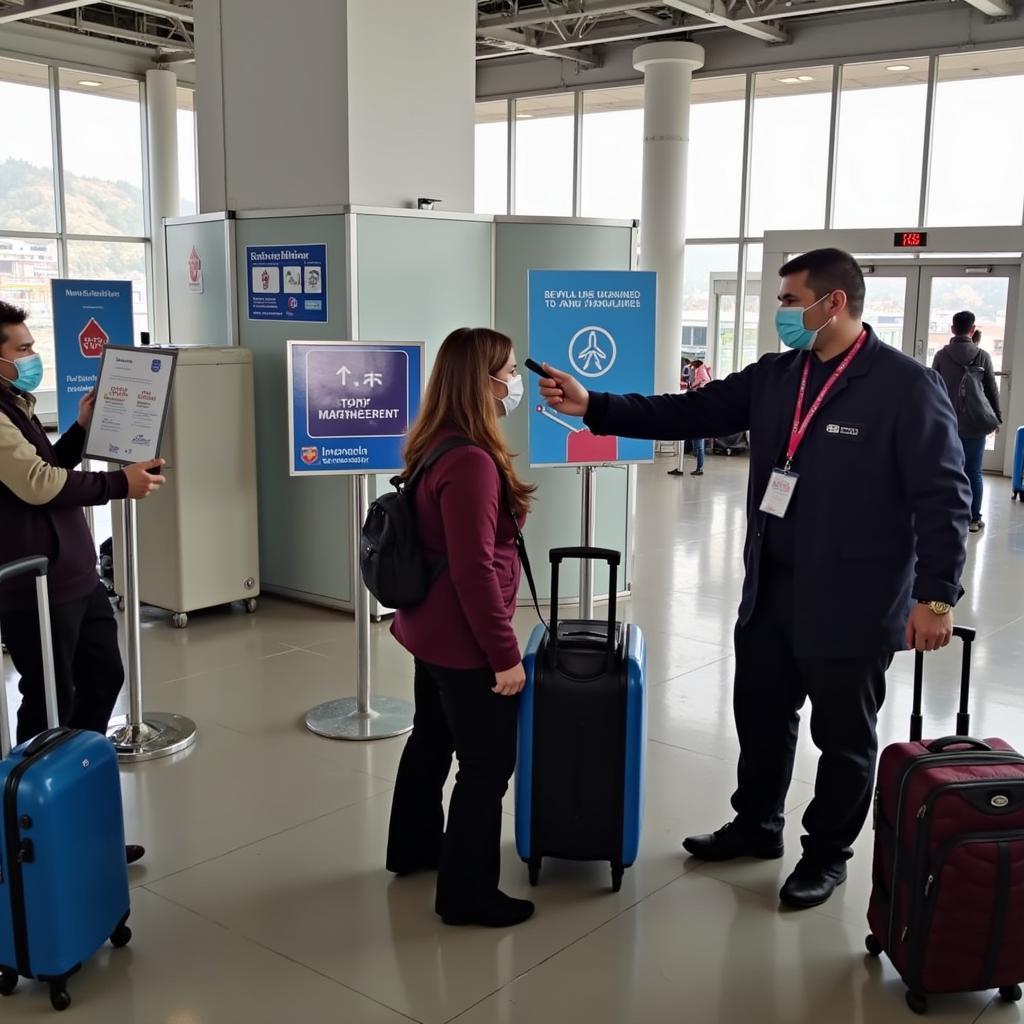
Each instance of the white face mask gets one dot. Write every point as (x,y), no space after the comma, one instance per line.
(514,387)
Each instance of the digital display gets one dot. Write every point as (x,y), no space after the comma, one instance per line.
(910,239)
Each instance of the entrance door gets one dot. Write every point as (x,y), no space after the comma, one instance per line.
(990,293)
(726,354)
(890,303)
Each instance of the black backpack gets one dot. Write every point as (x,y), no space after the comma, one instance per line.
(391,558)
(976,416)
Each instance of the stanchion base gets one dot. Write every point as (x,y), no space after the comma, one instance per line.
(342,720)
(160,735)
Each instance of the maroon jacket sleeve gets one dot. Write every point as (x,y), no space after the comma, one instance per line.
(469,491)
(91,489)
(70,446)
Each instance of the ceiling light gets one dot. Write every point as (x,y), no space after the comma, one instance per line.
(805,78)
(789,81)
(524,117)
(898,67)
(90,84)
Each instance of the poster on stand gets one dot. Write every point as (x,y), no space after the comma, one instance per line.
(132,398)
(287,282)
(597,325)
(351,404)
(87,316)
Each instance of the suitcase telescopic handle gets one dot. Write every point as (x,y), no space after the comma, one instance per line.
(37,566)
(613,558)
(963,718)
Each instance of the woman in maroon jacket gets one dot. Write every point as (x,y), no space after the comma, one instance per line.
(469,669)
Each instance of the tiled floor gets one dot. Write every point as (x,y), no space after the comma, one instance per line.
(263,897)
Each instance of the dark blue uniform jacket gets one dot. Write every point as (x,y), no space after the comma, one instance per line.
(882,505)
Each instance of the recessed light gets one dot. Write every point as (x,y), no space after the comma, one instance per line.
(524,117)
(90,84)
(898,67)
(789,81)
(805,78)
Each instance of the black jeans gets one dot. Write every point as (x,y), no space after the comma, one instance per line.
(87,662)
(456,711)
(771,686)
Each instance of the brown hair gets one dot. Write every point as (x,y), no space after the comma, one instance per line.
(459,398)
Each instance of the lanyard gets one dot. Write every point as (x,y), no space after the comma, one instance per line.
(801,423)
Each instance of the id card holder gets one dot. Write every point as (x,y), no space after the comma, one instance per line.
(779,493)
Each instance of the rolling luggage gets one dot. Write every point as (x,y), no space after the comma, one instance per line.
(1017,483)
(947,903)
(582,736)
(63,875)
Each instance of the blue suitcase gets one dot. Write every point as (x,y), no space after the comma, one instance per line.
(582,736)
(63,875)
(1018,465)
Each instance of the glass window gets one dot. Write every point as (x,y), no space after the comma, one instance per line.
(714,175)
(881,144)
(27,200)
(977,154)
(789,159)
(27,265)
(188,186)
(544,155)
(491,160)
(114,261)
(702,315)
(613,152)
(101,131)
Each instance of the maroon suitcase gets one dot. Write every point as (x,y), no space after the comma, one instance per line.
(947,903)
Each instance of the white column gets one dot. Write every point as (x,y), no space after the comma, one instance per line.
(668,73)
(162,131)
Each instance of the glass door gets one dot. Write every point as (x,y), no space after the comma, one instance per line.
(990,293)
(890,303)
(725,354)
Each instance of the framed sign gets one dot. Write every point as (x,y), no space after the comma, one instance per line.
(132,397)
(351,404)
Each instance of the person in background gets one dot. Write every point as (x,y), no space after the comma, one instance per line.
(468,666)
(42,496)
(964,350)
(686,375)
(856,541)
(701,377)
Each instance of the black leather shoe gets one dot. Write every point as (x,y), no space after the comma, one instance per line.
(730,842)
(810,885)
(402,870)
(500,912)
(133,853)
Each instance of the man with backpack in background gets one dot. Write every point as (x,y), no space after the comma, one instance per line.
(970,379)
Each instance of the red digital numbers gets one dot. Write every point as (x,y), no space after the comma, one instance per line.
(910,239)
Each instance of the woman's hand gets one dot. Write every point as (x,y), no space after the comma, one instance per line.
(511,681)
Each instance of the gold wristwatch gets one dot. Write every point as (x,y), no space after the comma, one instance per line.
(939,607)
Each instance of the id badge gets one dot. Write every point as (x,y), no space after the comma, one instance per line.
(779,493)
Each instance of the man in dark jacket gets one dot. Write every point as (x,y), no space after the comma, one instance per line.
(41,500)
(857,519)
(964,350)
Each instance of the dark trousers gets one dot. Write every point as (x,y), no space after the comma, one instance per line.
(87,662)
(456,711)
(771,687)
(974,457)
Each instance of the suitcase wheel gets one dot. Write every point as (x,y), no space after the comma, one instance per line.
(917,1002)
(873,946)
(534,867)
(121,937)
(1011,994)
(59,998)
(617,872)
(8,982)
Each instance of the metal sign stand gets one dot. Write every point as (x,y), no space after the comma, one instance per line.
(353,718)
(588,530)
(157,734)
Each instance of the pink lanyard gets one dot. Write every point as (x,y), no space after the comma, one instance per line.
(801,423)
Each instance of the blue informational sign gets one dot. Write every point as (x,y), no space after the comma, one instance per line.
(351,405)
(87,316)
(599,326)
(287,282)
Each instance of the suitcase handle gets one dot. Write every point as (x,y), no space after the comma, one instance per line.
(613,558)
(37,566)
(44,739)
(938,746)
(963,718)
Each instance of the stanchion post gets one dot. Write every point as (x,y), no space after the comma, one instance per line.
(360,717)
(157,734)
(588,530)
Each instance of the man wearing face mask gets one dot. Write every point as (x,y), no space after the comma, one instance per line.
(41,500)
(858,509)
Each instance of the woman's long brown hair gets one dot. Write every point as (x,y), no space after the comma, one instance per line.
(459,398)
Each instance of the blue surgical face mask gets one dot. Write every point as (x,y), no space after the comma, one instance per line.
(789,322)
(30,372)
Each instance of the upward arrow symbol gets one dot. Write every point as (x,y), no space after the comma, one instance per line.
(344,373)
